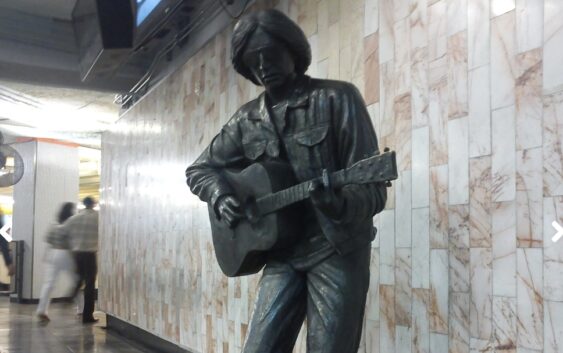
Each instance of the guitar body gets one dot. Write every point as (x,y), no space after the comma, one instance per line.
(242,250)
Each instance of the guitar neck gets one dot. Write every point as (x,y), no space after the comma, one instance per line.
(283,198)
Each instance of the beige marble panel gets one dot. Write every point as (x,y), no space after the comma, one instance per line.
(386,30)
(552,51)
(529,107)
(459,248)
(529,24)
(553,321)
(420,248)
(403,131)
(530,298)
(504,324)
(438,342)
(457,75)
(419,82)
(478,33)
(504,155)
(457,16)
(439,284)
(503,63)
(403,211)
(403,340)
(458,157)
(439,223)
(459,323)
(481,300)
(479,112)
(553,145)
(420,168)
(437,29)
(403,287)
(387,314)
(387,247)
(529,198)
(402,33)
(480,186)
(418,19)
(552,252)
(504,249)
(420,329)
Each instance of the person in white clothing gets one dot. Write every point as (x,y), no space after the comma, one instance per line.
(58,259)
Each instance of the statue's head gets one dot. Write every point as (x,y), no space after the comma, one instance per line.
(268,48)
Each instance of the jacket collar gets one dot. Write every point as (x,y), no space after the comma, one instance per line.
(299,98)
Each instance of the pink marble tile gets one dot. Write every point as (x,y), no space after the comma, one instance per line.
(403,287)
(402,33)
(458,157)
(553,321)
(371,16)
(387,315)
(387,247)
(420,167)
(457,75)
(421,248)
(503,63)
(372,302)
(480,313)
(504,155)
(418,19)
(529,105)
(480,202)
(529,200)
(419,86)
(403,131)
(386,31)
(553,255)
(552,147)
(504,324)
(439,207)
(439,279)
(457,16)
(420,321)
(437,29)
(529,24)
(438,114)
(478,33)
(459,323)
(504,249)
(530,298)
(552,53)
(479,112)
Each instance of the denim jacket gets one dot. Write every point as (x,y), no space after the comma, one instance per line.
(326,126)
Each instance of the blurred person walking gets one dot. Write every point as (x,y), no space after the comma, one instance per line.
(58,259)
(82,230)
(5,249)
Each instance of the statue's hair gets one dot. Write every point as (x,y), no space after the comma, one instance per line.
(279,26)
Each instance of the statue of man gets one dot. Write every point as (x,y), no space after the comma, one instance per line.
(312,125)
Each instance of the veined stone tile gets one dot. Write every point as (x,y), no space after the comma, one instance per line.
(504,249)
(529,24)
(459,323)
(439,291)
(438,342)
(479,112)
(437,29)
(419,82)
(439,207)
(312,70)
(371,54)
(418,19)
(500,7)
(529,198)
(552,53)
(457,16)
(322,69)
(479,346)
(529,105)
(480,312)
(478,33)
(372,340)
(420,330)
(402,56)
(403,287)
(530,298)
(503,61)
(387,323)
(403,131)
(323,24)
(553,255)
(372,301)
(334,51)
(400,9)
(458,156)
(403,339)
(387,105)
(420,167)
(504,155)
(403,210)
(437,121)
(387,247)
(371,17)
(553,331)
(553,145)
(386,31)
(504,324)
(480,185)
(457,74)
(420,248)
(459,248)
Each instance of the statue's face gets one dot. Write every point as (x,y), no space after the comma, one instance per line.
(269,60)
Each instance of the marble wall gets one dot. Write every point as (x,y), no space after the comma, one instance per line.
(470,95)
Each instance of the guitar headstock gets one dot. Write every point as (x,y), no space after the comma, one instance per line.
(380,167)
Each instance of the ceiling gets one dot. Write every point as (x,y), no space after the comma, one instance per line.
(59,9)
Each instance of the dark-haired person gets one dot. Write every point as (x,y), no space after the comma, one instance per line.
(312,125)
(57,259)
(82,230)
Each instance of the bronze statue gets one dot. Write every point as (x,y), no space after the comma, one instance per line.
(299,132)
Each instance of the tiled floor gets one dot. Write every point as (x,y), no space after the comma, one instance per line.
(21,332)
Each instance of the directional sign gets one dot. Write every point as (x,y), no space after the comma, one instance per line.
(559,233)
(5,231)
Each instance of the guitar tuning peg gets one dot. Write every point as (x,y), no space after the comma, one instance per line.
(388,184)
(386,149)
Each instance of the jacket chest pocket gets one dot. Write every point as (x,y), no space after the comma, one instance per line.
(254,149)
(310,148)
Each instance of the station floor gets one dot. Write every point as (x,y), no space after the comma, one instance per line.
(21,332)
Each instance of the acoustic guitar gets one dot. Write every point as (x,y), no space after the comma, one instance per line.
(265,190)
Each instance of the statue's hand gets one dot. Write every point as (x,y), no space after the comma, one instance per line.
(328,200)
(228,209)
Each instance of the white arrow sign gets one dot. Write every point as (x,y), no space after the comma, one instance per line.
(4,231)
(559,233)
